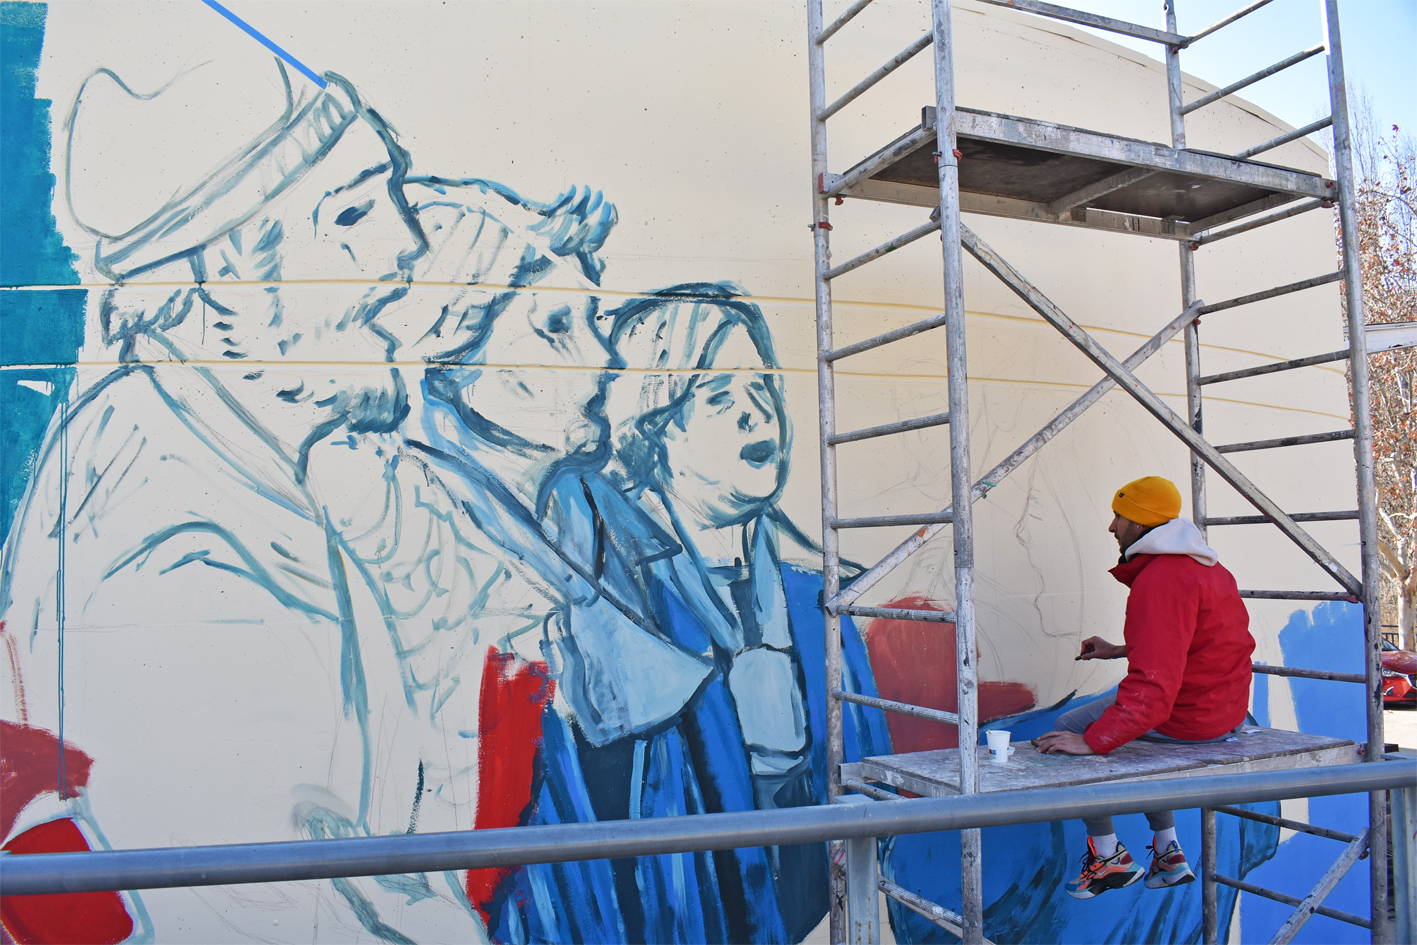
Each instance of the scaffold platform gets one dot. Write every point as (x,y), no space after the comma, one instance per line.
(936,773)
(1047,172)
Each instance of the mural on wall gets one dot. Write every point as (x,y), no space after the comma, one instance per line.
(363,464)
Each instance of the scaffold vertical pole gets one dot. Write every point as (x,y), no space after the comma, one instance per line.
(826,412)
(1210,911)
(1383,931)
(1175,102)
(961,473)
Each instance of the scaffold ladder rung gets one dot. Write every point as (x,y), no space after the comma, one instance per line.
(1286,824)
(1267,71)
(870,790)
(900,708)
(1267,670)
(1206,237)
(1297,595)
(951,922)
(1274,293)
(1251,888)
(885,338)
(1295,364)
(1346,516)
(895,62)
(890,246)
(887,521)
(1282,441)
(830,31)
(1287,137)
(899,613)
(888,429)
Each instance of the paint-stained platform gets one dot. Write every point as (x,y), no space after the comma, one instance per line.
(1037,170)
(936,773)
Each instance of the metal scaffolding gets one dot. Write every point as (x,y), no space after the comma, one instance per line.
(958,160)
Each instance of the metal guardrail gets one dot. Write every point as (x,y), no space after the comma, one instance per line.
(38,873)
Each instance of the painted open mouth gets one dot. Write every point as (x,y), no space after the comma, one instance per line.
(759,453)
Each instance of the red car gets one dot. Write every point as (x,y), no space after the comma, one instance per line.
(1399,676)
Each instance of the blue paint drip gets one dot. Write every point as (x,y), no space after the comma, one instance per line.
(256,35)
(39,329)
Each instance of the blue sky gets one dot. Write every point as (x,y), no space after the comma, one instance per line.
(1379,50)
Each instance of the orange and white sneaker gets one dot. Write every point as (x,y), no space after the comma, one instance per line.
(1100,875)
(1168,867)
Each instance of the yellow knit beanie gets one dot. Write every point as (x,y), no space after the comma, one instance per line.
(1148,501)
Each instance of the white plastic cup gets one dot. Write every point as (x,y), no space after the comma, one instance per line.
(998,746)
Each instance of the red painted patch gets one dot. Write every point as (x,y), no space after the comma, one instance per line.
(29,766)
(97,917)
(514,694)
(914,662)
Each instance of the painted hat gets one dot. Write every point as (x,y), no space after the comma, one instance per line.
(205,203)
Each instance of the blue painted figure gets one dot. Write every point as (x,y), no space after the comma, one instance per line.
(684,523)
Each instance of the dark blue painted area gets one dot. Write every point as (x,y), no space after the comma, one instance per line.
(1025,867)
(36,327)
(1331,638)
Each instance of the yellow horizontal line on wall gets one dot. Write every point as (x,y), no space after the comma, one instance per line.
(781,300)
(798,372)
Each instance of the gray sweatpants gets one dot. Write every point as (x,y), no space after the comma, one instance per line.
(1079,719)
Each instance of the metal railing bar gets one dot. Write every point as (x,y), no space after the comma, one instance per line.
(841,21)
(868,579)
(1298,595)
(887,429)
(1243,886)
(1287,137)
(41,873)
(1267,670)
(1154,405)
(1091,19)
(1267,71)
(1325,885)
(1287,824)
(951,922)
(887,521)
(1304,440)
(1206,237)
(885,338)
(1243,11)
(898,613)
(900,708)
(889,156)
(887,247)
(1345,516)
(1276,368)
(894,63)
(861,787)
(1274,293)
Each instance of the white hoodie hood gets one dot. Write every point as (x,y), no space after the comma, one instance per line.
(1177,537)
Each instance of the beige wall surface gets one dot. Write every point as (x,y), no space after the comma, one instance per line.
(692,119)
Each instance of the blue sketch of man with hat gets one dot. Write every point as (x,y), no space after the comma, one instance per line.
(175,585)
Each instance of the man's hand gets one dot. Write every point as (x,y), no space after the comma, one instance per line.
(1096,648)
(1067,743)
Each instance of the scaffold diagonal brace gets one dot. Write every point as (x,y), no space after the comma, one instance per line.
(1154,405)
(869,578)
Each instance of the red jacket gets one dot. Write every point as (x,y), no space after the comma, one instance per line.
(1188,653)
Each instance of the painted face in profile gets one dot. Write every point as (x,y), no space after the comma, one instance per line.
(363,230)
(726,450)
